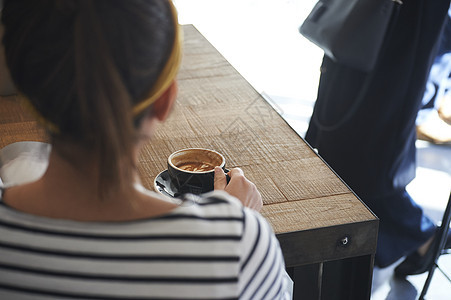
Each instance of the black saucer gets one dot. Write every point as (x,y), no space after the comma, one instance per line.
(163,185)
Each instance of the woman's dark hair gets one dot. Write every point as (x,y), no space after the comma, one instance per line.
(83,64)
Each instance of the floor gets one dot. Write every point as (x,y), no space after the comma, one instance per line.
(260,39)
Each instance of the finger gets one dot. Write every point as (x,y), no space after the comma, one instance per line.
(220,180)
(236,171)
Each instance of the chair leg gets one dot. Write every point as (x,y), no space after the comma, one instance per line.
(427,282)
(443,233)
(443,272)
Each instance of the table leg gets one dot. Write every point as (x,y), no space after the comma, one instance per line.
(307,281)
(345,279)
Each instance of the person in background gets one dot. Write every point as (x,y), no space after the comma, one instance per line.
(99,75)
(374,150)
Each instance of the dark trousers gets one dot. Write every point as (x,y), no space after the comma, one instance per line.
(373,150)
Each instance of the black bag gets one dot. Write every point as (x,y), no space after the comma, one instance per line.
(350,32)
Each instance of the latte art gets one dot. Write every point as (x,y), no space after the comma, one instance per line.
(195,166)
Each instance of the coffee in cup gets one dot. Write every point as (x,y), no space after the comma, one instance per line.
(192,170)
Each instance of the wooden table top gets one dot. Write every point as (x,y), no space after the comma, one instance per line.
(309,207)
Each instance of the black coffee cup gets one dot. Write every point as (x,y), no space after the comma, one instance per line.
(192,170)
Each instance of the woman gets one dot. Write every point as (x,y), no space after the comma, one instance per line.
(100,75)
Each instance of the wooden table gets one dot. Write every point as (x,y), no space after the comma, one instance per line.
(327,235)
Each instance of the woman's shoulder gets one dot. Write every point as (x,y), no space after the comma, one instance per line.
(222,206)
(214,203)
(217,196)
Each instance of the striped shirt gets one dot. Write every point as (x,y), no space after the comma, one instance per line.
(207,248)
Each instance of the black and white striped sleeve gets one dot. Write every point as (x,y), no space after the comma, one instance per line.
(262,273)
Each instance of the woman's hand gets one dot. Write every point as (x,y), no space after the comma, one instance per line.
(239,187)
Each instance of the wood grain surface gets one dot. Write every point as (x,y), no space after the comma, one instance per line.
(218,109)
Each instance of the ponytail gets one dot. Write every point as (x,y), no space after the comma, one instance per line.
(102,99)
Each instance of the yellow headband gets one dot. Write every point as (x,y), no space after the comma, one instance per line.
(169,71)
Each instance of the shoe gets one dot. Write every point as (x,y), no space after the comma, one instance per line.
(434,130)
(415,264)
